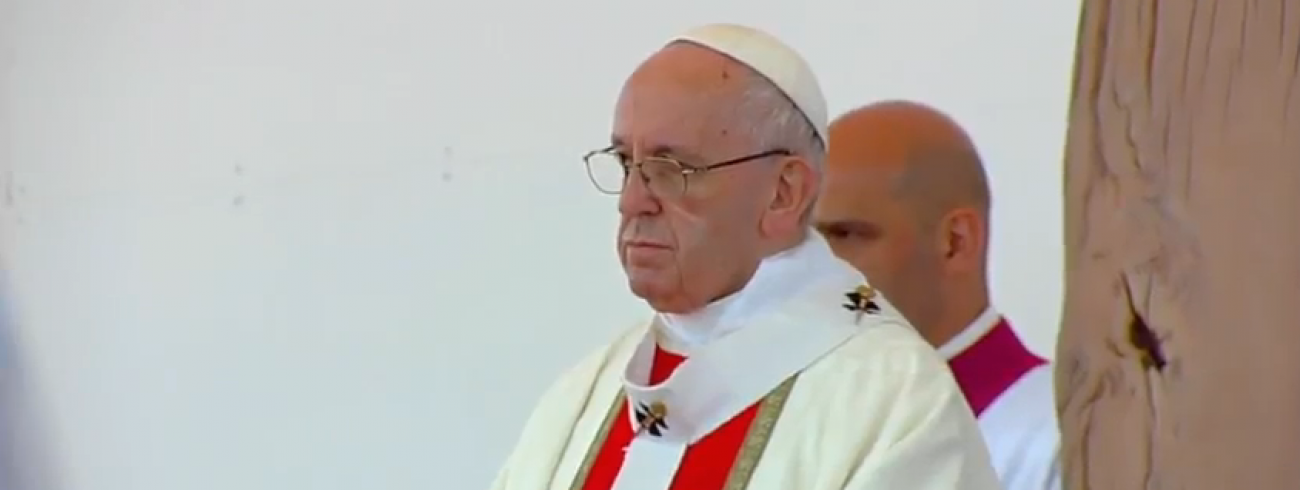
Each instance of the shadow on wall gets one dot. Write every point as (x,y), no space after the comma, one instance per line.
(25,461)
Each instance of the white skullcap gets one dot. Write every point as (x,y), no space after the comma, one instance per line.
(772,59)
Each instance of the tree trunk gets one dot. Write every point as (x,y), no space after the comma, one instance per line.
(1177,367)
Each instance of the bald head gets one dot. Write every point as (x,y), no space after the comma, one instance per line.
(906,201)
(931,161)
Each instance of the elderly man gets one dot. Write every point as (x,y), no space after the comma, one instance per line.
(770,365)
(907,202)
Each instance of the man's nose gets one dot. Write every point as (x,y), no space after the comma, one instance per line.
(636,198)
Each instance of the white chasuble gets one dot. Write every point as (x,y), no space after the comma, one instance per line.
(824,387)
(1010,390)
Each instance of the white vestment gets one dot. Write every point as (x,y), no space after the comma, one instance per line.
(849,399)
(1020,424)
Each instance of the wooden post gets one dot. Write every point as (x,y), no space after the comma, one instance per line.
(1178,366)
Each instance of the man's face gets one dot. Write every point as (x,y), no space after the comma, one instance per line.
(869,226)
(681,250)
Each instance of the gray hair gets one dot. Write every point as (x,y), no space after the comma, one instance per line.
(774,121)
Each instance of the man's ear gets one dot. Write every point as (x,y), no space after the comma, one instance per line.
(795,192)
(962,238)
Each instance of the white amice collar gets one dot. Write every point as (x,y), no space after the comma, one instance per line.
(977,329)
(779,276)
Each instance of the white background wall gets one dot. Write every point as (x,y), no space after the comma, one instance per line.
(293,244)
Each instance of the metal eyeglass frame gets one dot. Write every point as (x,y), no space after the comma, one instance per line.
(685,170)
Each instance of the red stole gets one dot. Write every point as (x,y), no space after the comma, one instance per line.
(991,365)
(706,464)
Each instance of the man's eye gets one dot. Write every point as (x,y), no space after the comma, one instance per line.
(837,233)
(849,233)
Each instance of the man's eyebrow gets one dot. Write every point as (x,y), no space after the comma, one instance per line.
(849,225)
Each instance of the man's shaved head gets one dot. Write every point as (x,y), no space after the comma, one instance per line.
(935,163)
(906,200)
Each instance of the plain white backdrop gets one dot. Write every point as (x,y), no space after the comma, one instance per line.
(331,245)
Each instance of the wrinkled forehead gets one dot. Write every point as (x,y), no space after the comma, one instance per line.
(684,94)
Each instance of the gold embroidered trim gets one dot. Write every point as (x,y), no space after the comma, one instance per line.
(615,409)
(756,438)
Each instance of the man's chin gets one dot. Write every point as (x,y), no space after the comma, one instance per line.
(642,288)
(649,289)
(660,297)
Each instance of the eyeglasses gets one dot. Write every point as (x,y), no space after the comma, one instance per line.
(665,177)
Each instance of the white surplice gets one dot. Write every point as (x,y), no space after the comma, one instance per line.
(1020,423)
(865,402)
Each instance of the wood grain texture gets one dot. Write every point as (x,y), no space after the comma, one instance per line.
(1182,214)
